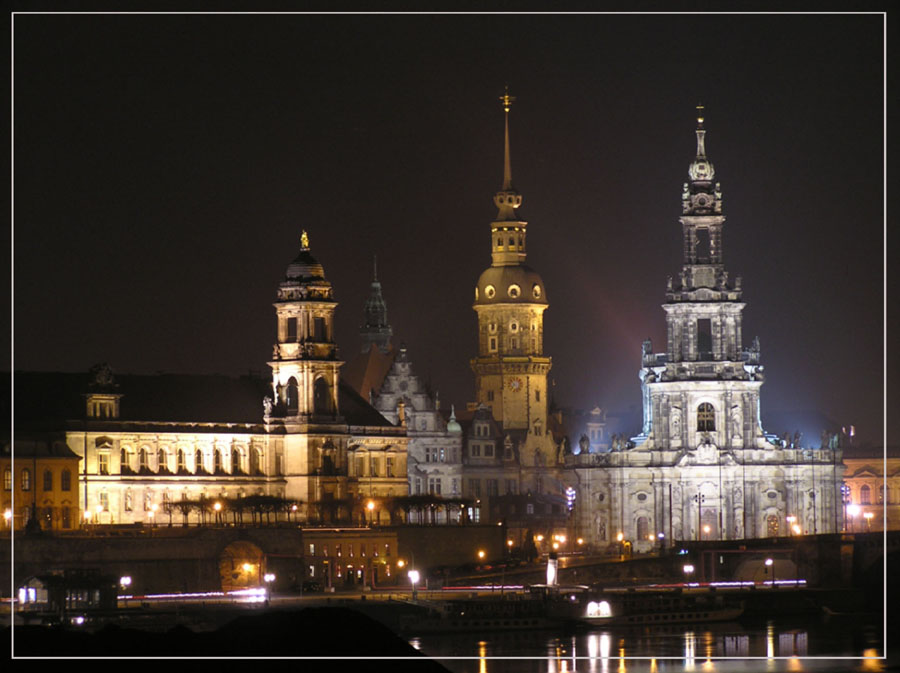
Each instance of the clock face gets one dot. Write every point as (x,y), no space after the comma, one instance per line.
(515,384)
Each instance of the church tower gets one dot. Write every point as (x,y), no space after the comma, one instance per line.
(376,329)
(705,389)
(510,300)
(305,358)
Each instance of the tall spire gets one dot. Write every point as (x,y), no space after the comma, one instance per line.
(507,199)
(507,167)
(376,329)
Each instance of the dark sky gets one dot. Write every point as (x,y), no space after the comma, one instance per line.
(164,167)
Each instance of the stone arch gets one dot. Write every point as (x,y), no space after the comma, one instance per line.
(241,566)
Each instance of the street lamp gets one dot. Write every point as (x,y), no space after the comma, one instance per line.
(852,512)
(413,578)
(217,506)
(371,507)
(868,517)
(7,516)
(771,564)
(706,530)
(688,571)
(791,525)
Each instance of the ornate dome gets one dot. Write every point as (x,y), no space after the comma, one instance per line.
(510,284)
(305,266)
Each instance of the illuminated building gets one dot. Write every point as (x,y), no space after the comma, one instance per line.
(162,450)
(41,484)
(873,485)
(702,466)
(510,449)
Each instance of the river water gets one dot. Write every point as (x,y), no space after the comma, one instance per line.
(820,645)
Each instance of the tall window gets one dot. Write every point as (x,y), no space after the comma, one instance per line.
(198,461)
(235,461)
(103,463)
(389,469)
(181,467)
(643,528)
(706,418)
(144,459)
(704,338)
(104,501)
(26,479)
(48,480)
(65,480)
(865,495)
(292,329)
(7,479)
(162,460)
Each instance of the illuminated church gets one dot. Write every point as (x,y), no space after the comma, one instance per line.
(702,467)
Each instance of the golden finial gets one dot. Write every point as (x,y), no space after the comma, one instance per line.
(700,109)
(507,99)
(304,240)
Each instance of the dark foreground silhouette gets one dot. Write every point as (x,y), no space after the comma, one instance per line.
(312,632)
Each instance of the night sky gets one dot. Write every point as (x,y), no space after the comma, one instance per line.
(164,167)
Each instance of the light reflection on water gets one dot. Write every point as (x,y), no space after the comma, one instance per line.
(727,648)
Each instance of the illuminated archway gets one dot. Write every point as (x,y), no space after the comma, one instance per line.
(241,566)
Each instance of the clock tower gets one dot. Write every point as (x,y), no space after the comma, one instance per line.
(510,300)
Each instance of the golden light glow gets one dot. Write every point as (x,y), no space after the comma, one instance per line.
(217,506)
(620,537)
(401,563)
(797,530)
(540,538)
(580,540)
(247,567)
(509,543)
(370,505)
(481,553)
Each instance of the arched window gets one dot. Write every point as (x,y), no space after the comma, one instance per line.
(865,495)
(144,459)
(181,467)
(217,461)
(198,461)
(643,528)
(293,395)
(772,525)
(322,397)
(235,461)
(706,418)
(162,460)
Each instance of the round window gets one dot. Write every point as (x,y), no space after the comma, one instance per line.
(642,496)
(536,291)
(489,291)
(514,291)
(476,294)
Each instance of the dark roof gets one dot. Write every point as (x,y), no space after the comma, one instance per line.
(50,398)
(357,411)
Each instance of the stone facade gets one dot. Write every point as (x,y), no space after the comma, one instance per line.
(702,466)
(434,454)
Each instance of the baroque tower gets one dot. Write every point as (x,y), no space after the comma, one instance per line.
(702,467)
(305,358)
(510,300)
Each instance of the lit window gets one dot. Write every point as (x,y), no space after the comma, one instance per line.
(7,479)
(706,418)
(104,501)
(103,462)
(865,495)
(26,479)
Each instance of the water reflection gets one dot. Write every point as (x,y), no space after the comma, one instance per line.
(722,648)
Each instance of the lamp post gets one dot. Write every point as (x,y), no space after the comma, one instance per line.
(791,525)
(771,564)
(688,571)
(217,507)
(413,578)
(371,507)
(852,512)
(706,531)
(699,499)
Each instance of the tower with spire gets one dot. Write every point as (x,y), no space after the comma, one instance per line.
(510,299)
(702,467)
(376,330)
